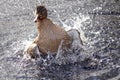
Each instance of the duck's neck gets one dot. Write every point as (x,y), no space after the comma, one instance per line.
(40,25)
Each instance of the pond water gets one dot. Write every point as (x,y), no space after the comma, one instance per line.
(98,23)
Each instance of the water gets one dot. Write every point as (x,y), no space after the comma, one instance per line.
(96,20)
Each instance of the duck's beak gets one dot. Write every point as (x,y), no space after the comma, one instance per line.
(36,17)
(35,20)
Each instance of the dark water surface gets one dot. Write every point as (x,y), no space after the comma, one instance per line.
(98,22)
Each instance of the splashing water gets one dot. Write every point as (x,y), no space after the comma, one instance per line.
(70,59)
(98,60)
